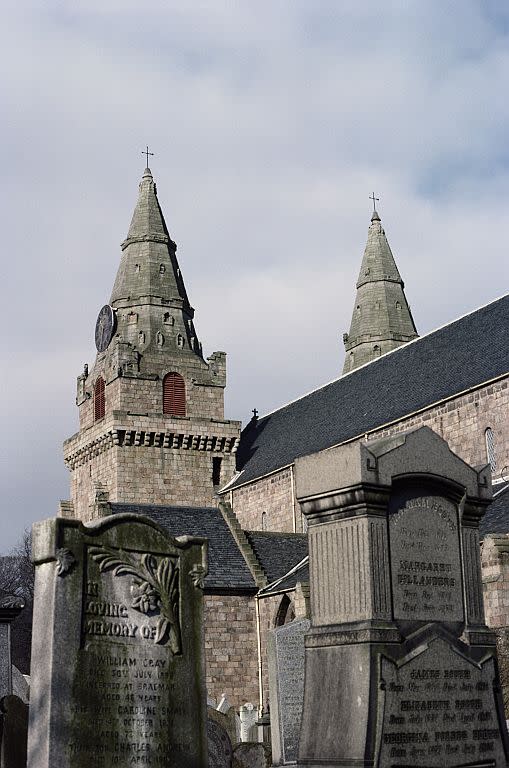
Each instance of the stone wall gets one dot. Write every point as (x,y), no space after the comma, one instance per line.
(230,648)
(144,394)
(495,577)
(150,459)
(268,504)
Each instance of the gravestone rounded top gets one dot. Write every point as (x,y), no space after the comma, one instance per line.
(219,745)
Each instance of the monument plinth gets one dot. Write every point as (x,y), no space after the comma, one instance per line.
(401,669)
(117,652)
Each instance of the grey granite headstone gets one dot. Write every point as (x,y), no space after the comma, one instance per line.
(401,669)
(13,732)
(117,651)
(10,607)
(219,744)
(286,688)
(251,755)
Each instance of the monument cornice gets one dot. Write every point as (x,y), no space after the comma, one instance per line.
(362,499)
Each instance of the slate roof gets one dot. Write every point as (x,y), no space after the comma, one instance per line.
(450,360)
(227,568)
(278,553)
(496,518)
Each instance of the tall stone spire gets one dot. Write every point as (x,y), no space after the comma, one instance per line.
(149,272)
(152,426)
(381,318)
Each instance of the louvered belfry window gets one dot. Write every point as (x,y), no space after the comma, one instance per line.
(174,395)
(99,399)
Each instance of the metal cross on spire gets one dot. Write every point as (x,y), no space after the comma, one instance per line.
(371,197)
(147,153)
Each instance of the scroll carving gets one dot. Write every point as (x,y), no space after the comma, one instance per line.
(154,588)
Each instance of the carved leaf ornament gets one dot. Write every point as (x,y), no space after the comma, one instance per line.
(155,588)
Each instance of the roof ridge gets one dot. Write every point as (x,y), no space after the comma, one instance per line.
(246,549)
(373,362)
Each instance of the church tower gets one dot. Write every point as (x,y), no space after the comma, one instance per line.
(151,410)
(381,318)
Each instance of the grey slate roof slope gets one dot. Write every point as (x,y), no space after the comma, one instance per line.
(450,360)
(496,517)
(227,567)
(277,552)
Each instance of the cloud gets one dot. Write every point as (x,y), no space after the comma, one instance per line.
(271,123)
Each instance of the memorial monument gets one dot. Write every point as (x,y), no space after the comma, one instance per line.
(286,689)
(117,653)
(401,669)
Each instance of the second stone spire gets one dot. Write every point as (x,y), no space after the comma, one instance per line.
(381,318)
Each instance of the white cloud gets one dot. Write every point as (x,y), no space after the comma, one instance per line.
(272,122)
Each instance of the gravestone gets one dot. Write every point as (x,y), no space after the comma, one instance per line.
(117,651)
(13,732)
(220,748)
(401,669)
(10,608)
(248,717)
(286,688)
(251,755)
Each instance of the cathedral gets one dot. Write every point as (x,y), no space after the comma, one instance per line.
(153,437)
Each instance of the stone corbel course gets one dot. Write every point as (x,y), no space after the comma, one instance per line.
(121,437)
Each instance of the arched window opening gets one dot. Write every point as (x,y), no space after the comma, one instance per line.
(490,448)
(285,613)
(99,399)
(174,395)
(376,350)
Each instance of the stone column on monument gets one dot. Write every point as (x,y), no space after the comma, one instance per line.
(400,667)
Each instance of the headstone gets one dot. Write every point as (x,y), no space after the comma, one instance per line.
(117,652)
(286,688)
(224,705)
(401,669)
(252,756)
(219,744)
(248,717)
(10,607)
(13,732)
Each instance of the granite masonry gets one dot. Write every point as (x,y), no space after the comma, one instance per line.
(286,681)
(400,667)
(117,653)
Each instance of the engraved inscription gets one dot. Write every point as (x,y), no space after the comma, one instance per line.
(425,560)
(289,651)
(128,705)
(439,710)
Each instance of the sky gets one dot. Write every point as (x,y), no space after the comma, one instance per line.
(271,123)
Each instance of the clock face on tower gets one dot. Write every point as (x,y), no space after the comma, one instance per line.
(104,328)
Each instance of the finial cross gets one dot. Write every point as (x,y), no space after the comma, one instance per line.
(255,413)
(147,153)
(371,197)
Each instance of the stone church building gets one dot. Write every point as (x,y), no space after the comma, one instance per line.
(153,437)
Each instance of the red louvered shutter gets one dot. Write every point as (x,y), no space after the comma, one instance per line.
(99,399)
(174,395)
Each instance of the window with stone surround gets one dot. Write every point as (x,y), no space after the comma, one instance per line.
(174,395)
(99,399)
(490,448)
(285,612)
